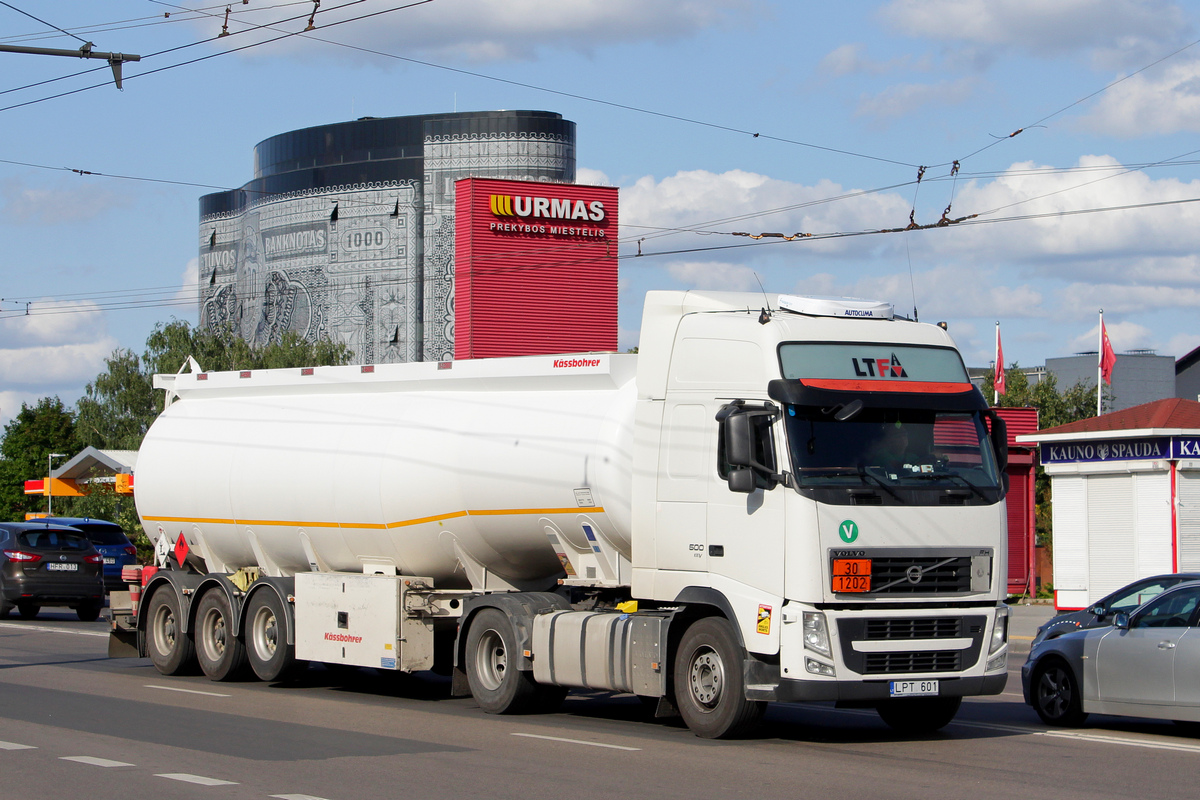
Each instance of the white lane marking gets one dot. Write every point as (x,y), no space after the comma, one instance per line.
(200,780)
(1086,737)
(15,746)
(297,797)
(576,741)
(96,762)
(185,691)
(45,629)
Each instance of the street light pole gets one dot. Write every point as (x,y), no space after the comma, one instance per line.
(50,482)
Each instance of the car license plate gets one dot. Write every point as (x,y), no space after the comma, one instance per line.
(59,566)
(110,560)
(914,688)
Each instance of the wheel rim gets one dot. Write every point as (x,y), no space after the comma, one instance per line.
(1054,692)
(707,677)
(213,630)
(491,660)
(265,634)
(164,629)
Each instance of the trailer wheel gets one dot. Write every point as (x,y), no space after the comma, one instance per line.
(271,657)
(171,650)
(222,655)
(919,714)
(708,682)
(491,656)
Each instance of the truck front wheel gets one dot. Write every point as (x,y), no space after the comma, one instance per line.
(491,656)
(170,649)
(222,655)
(709,691)
(271,657)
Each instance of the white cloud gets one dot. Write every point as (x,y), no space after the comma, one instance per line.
(1126,299)
(1123,335)
(189,290)
(1125,29)
(591,177)
(1183,343)
(713,275)
(484,30)
(905,98)
(1160,101)
(56,202)
(66,365)
(52,322)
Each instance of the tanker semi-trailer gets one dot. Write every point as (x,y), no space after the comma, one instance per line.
(778,499)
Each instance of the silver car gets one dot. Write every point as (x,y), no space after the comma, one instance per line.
(1146,665)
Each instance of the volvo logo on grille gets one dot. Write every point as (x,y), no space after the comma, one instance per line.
(914,574)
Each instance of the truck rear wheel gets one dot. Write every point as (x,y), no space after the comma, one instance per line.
(709,691)
(171,650)
(491,656)
(919,714)
(271,657)
(222,655)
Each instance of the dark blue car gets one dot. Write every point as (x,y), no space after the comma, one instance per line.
(109,539)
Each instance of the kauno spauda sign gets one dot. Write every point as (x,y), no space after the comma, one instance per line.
(1164,447)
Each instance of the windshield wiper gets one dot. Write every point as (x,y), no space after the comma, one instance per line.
(952,476)
(864,474)
(860,471)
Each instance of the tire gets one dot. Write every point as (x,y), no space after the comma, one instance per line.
(28,610)
(1056,697)
(919,714)
(221,655)
(708,682)
(88,612)
(271,657)
(170,649)
(496,683)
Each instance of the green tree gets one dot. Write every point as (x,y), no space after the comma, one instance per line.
(34,433)
(121,403)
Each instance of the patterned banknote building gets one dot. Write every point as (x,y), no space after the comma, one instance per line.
(347,231)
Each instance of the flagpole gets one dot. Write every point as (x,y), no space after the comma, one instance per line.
(996,368)
(1100,367)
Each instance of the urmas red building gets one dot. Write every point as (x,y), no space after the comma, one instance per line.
(535,268)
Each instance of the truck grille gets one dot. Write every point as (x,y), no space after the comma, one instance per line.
(918,628)
(922,661)
(894,575)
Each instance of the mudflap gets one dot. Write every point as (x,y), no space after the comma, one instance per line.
(123,643)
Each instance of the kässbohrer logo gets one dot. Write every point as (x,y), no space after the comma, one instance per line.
(342,637)
(507,205)
(560,363)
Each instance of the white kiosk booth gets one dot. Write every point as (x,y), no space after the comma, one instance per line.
(1126,497)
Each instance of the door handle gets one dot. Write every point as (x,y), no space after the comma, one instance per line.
(1166,645)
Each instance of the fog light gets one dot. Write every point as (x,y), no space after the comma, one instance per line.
(818,668)
(998,663)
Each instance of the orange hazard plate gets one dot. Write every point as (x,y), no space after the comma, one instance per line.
(852,575)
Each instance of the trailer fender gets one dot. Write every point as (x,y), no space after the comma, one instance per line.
(520,608)
(183,584)
(219,581)
(283,588)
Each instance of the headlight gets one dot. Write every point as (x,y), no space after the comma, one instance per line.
(999,631)
(816,635)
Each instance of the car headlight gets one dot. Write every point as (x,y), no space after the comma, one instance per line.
(816,634)
(999,631)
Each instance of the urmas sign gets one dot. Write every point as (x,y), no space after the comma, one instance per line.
(535,268)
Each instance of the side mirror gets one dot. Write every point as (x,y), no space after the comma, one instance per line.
(1121,621)
(741,479)
(1098,610)
(1000,440)
(739,435)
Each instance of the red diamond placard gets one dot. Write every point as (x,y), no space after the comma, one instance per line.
(181,549)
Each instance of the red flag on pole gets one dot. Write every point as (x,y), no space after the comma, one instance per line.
(1108,358)
(999,382)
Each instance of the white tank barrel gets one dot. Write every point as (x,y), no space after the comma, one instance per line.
(466,472)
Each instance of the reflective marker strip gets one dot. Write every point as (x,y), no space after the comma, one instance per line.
(575,741)
(15,746)
(95,762)
(483,512)
(197,779)
(185,691)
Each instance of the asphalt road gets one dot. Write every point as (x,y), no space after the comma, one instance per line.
(74,723)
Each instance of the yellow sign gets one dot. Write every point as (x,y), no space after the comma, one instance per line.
(764,620)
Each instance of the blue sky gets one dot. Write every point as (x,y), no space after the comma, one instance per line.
(849,100)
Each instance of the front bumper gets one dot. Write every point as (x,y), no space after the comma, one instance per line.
(868,692)
(44,591)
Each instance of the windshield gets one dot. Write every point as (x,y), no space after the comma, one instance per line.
(895,453)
